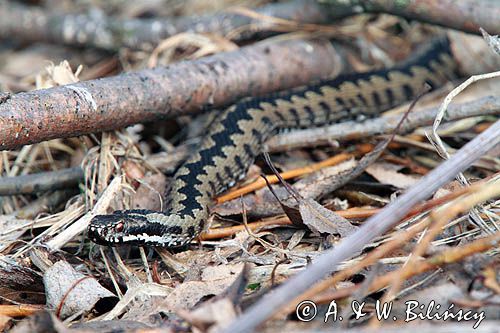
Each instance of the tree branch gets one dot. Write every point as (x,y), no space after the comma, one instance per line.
(182,88)
(465,15)
(41,182)
(111,33)
(313,137)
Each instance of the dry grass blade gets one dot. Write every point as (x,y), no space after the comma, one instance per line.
(273,179)
(205,44)
(438,144)
(77,227)
(437,220)
(271,23)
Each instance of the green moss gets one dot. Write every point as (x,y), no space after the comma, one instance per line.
(253,286)
(401,4)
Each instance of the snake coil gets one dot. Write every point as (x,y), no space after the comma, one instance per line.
(237,136)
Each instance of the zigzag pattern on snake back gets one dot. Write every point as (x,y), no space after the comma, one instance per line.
(238,135)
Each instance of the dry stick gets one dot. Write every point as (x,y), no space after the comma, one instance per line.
(315,136)
(372,228)
(353,213)
(183,88)
(466,15)
(21,310)
(36,24)
(273,179)
(41,182)
(216,233)
(296,139)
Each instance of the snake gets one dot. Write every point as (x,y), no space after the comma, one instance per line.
(239,134)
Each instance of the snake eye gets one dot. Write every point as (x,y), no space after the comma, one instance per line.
(119,227)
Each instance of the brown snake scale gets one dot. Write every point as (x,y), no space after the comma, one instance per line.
(237,136)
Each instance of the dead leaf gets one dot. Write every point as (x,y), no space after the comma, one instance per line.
(149,194)
(69,291)
(218,312)
(312,214)
(322,220)
(211,316)
(215,280)
(387,173)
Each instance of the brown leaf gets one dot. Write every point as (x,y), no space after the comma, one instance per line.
(290,211)
(387,173)
(69,291)
(150,192)
(312,214)
(215,280)
(218,313)
(322,220)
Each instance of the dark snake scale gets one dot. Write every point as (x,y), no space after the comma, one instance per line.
(237,137)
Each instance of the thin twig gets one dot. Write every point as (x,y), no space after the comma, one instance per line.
(41,182)
(436,141)
(273,179)
(354,130)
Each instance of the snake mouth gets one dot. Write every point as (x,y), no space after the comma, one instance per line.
(106,230)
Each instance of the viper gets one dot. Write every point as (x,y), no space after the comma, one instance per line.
(238,135)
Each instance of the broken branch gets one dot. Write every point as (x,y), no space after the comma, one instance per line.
(183,88)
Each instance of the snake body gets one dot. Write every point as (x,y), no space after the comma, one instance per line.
(237,137)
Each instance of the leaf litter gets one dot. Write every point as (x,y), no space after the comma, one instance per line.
(194,288)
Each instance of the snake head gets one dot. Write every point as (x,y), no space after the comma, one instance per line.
(138,227)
